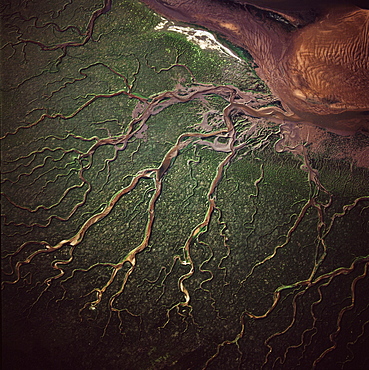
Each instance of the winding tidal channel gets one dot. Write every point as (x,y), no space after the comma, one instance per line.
(162,210)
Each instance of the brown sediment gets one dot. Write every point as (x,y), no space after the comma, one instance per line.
(315,58)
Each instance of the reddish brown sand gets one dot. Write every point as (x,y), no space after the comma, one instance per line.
(315,58)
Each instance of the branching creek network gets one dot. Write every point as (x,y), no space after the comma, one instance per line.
(160,208)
